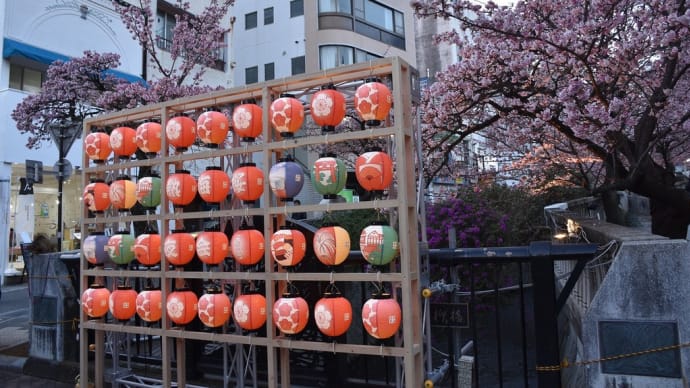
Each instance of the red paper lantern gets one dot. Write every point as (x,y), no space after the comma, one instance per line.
(290,314)
(148,138)
(249,311)
(96,196)
(93,248)
(212,247)
(248,182)
(182,306)
(147,249)
(374,170)
(287,115)
(247,121)
(288,247)
(213,185)
(123,193)
(94,301)
(247,246)
(97,146)
(373,101)
(328,108)
(180,132)
(150,305)
(381,316)
(214,308)
(179,248)
(331,245)
(181,188)
(123,303)
(212,128)
(123,141)
(333,314)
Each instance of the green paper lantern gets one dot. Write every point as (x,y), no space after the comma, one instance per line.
(379,244)
(119,248)
(329,175)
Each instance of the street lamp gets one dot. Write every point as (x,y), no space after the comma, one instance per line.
(64,133)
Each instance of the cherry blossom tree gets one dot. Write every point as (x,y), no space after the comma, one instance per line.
(82,87)
(596,90)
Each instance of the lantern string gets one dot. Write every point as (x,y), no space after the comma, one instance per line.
(333,347)
(331,278)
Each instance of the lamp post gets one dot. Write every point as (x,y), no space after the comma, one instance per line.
(64,133)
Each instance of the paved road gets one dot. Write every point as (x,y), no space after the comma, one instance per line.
(14,316)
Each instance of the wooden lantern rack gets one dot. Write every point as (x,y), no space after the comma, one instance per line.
(405,275)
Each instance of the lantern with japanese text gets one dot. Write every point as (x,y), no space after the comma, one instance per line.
(180,132)
(247,245)
(93,248)
(329,176)
(249,311)
(122,303)
(123,141)
(96,196)
(328,108)
(290,313)
(331,245)
(247,121)
(182,306)
(212,128)
(214,307)
(333,314)
(148,138)
(148,191)
(373,101)
(147,249)
(287,115)
(213,185)
(119,248)
(212,247)
(179,248)
(379,243)
(123,193)
(97,146)
(150,305)
(248,182)
(286,179)
(181,188)
(374,170)
(288,246)
(381,316)
(94,301)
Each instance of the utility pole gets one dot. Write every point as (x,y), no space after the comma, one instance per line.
(64,134)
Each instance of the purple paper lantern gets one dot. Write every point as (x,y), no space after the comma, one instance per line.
(286,179)
(93,248)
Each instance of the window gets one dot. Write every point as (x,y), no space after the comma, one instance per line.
(269,71)
(296,8)
(268,15)
(250,21)
(341,6)
(165,24)
(251,75)
(332,56)
(23,78)
(298,65)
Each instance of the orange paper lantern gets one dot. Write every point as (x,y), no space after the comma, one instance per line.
(212,128)
(328,108)
(248,182)
(182,306)
(212,247)
(179,248)
(123,303)
(147,249)
(123,193)
(288,247)
(148,138)
(381,316)
(247,246)
(123,141)
(150,305)
(331,245)
(96,196)
(181,188)
(333,314)
(373,101)
(180,132)
(247,121)
(249,311)
(94,301)
(213,185)
(290,314)
(374,170)
(97,146)
(214,308)
(287,115)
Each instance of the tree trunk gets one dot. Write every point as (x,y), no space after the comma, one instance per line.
(614,211)
(668,220)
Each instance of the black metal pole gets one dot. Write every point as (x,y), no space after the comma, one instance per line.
(61,139)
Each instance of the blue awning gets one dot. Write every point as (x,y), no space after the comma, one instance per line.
(12,48)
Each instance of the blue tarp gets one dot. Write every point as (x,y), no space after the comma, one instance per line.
(12,48)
